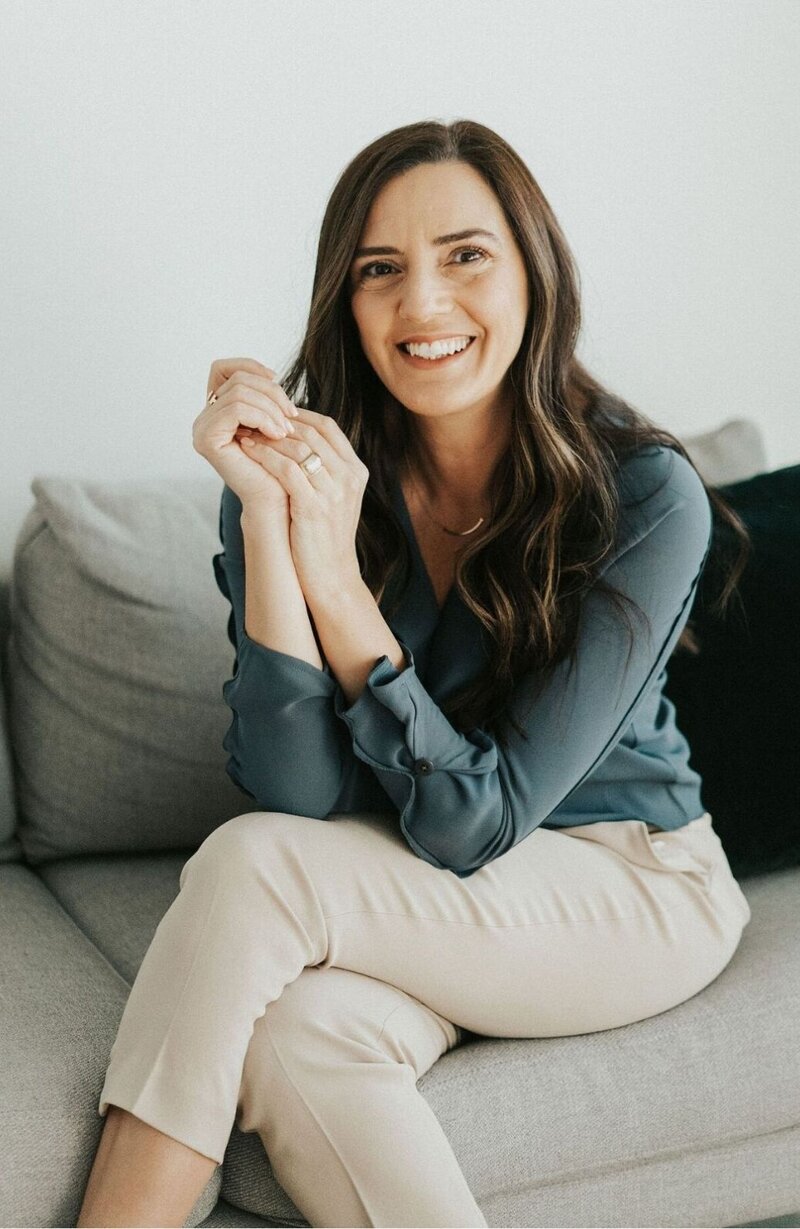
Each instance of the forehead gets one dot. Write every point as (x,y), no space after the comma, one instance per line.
(432,199)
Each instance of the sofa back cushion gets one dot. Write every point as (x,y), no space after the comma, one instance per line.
(117,656)
(10,848)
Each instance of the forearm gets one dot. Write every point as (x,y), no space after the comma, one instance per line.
(354,635)
(276,614)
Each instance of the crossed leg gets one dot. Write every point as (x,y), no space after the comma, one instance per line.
(277,912)
(329,1085)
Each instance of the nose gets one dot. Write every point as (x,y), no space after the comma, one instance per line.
(424,296)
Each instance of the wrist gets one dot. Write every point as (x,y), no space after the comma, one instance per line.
(266,519)
(334,593)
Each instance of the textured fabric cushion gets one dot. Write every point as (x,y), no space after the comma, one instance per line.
(10,848)
(60,1005)
(729,453)
(117,900)
(117,658)
(687,1118)
(736,701)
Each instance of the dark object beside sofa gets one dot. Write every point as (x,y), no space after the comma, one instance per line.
(738,698)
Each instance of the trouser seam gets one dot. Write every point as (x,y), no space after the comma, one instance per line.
(314,1118)
(593,921)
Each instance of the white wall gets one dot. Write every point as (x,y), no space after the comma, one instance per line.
(165,166)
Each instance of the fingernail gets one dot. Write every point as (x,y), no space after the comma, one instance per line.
(289,425)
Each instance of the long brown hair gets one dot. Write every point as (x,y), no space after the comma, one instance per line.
(554,490)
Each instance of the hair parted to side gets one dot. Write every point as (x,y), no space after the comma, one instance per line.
(553,493)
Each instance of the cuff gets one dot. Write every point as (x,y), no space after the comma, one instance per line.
(276,677)
(396,725)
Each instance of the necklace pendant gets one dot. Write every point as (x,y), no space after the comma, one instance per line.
(460,533)
(454,533)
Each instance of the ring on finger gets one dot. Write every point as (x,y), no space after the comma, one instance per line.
(311,463)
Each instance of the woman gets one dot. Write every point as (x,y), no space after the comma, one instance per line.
(431,653)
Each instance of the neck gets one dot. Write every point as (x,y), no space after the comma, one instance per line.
(452,473)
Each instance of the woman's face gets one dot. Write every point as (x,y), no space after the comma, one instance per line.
(425,283)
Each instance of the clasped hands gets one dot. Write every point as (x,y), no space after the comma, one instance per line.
(325,506)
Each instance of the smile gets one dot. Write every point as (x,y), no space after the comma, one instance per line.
(444,361)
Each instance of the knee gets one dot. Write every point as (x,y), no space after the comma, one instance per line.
(286,1040)
(325,1016)
(287,1019)
(240,844)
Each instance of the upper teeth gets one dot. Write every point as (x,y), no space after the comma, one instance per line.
(436,349)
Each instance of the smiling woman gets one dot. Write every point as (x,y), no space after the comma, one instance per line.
(459,518)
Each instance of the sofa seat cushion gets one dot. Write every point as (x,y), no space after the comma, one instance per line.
(607,1122)
(117,899)
(60,1006)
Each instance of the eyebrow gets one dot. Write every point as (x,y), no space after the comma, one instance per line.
(442,239)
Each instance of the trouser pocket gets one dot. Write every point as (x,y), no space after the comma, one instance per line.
(697,850)
(694,849)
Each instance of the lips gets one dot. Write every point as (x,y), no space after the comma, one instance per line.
(410,341)
(433,363)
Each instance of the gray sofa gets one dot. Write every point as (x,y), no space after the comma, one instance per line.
(114,653)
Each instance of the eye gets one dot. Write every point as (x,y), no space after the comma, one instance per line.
(365,275)
(479,251)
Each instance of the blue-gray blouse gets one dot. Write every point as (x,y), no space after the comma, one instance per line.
(602,743)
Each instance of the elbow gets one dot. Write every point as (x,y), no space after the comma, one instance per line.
(273,768)
(269,793)
(476,837)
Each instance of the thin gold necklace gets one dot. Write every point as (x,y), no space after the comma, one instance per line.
(455,533)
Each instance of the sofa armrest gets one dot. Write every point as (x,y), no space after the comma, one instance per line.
(60,1007)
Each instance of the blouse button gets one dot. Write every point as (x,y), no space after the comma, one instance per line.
(423,766)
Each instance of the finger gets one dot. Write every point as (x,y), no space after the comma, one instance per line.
(283,459)
(242,400)
(328,429)
(306,436)
(269,388)
(222,368)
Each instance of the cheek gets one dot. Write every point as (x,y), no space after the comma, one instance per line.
(506,314)
(369,329)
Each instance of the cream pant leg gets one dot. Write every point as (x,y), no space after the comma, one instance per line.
(329,1084)
(572,931)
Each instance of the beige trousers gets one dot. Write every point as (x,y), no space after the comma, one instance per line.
(309,972)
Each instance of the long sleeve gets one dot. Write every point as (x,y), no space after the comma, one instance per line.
(287,750)
(463,800)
